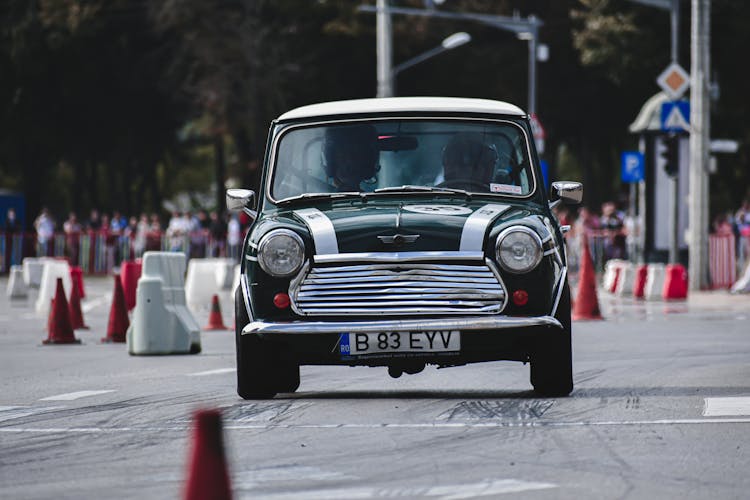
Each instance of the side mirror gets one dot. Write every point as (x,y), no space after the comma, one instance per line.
(241,199)
(570,193)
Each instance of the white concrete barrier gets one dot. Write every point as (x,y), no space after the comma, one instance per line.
(654,282)
(742,285)
(626,280)
(32,270)
(225,273)
(205,278)
(17,288)
(611,269)
(51,270)
(162,323)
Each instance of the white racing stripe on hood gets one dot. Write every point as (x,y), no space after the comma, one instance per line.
(321,229)
(472,236)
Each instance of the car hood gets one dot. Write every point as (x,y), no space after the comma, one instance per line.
(403,226)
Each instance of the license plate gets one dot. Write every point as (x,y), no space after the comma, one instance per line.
(357,344)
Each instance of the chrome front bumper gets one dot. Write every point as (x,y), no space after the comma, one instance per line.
(406,325)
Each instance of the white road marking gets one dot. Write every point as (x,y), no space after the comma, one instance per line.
(70,396)
(92,304)
(446,492)
(212,372)
(726,407)
(466,425)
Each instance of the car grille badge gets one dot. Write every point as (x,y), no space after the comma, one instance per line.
(398,239)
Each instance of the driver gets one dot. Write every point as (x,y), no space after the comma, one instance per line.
(468,162)
(350,155)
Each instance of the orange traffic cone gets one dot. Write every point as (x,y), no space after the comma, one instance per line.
(586,303)
(215,322)
(130,271)
(118,323)
(60,330)
(207,474)
(74,308)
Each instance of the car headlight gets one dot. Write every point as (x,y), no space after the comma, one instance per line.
(281,253)
(518,249)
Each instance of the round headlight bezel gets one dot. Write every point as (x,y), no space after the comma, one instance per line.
(263,249)
(536,239)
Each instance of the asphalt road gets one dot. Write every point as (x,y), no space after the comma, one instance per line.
(661,409)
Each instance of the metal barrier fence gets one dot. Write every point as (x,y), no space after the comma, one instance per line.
(99,252)
(721,260)
(600,246)
(728,256)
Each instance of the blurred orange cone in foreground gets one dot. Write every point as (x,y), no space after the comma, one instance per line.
(207,474)
(586,303)
(118,323)
(58,324)
(215,322)
(74,308)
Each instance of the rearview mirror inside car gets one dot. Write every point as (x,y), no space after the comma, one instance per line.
(397,143)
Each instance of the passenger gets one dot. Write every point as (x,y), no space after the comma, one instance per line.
(350,155)
(468,162)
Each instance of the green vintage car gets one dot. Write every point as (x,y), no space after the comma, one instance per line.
(402,232)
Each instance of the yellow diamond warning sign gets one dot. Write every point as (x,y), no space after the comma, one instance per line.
(674,81)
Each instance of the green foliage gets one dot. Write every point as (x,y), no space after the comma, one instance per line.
(121,103)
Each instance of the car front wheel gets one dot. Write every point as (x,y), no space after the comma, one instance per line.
(262,368)
(551,361)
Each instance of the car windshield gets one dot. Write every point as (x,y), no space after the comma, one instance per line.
(381,156)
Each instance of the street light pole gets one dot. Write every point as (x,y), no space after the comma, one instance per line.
(525,29)
(674,18)
(384,49)
(449,43)
(700,36)
(531,36)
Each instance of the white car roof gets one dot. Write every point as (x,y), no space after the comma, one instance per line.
(404,104)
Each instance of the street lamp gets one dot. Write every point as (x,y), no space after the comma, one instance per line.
(449,43)
(527,29)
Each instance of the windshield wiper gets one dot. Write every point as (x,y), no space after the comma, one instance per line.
(425,189)
(405,187)
(316,196)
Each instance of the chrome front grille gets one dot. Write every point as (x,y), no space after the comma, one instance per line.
(398,284)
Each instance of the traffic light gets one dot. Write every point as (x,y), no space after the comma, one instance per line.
(670,155)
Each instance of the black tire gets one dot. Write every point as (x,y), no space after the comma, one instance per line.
(262,370)
(288,375)
(552,359)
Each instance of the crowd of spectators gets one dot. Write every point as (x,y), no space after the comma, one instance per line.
(197,234)
(207,234)
(610,231)
(607,230)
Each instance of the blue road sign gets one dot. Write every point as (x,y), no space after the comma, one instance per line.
(632,166)
(675,116)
